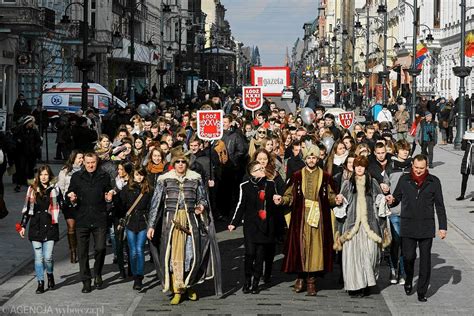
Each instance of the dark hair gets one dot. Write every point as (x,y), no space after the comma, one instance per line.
(70,161)
(252,165)
(295,143)
(368,182)
(145,185)
(421,157)
(379,144)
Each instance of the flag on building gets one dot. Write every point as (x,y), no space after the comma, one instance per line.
(421,54)
(469,42)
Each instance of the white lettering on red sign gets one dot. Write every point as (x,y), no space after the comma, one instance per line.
(209,124)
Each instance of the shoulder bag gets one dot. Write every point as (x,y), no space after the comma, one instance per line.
(124,220)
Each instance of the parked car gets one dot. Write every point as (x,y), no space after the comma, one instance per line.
(287,93)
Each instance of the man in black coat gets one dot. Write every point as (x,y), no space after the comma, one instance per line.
(89,191)
(419,193)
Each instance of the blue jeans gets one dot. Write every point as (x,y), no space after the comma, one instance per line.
(43,257)
(395,247)
(136,243)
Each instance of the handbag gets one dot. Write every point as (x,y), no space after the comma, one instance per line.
(124,220)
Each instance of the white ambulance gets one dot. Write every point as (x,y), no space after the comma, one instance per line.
(67,96)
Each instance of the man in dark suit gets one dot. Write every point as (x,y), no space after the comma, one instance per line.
(419,193)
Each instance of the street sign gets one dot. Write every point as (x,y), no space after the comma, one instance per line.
(252,98)
(328,93)
(26,71)
(346,119)
(209,124)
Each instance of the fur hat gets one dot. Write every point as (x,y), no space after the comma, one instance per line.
(311,150)
(177,153)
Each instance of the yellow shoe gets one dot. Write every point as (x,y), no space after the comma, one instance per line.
(176,299)
(192,295)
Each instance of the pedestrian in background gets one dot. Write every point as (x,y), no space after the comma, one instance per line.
(73,165)
(420,194)
(41,210)
(28,150)
(401,121)
(427,136)
(467,145)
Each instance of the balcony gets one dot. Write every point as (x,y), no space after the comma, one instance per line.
(26,19)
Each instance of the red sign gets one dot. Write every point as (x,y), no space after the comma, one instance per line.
(209,124)
(252,98)
(346,119)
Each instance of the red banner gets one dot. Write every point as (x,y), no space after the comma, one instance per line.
(346,119)
(252,98)
(209,124)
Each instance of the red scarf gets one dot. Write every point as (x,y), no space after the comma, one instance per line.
(419,179)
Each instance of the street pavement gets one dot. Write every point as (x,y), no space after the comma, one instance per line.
(452,278)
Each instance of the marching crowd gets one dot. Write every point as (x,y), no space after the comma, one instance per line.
(329,195)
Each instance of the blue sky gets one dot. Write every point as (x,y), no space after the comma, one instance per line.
(272,25)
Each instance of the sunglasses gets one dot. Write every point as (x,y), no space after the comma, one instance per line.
(181,161)
(262,132)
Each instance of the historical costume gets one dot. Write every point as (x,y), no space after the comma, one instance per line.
(308,249)
(365,210)
(187,251)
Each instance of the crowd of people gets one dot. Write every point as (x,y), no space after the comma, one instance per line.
(331,196)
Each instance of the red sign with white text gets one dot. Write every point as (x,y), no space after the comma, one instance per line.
(252,98)
(346,119)
(209,124)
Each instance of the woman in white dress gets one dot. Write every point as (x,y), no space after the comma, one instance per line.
(362,203)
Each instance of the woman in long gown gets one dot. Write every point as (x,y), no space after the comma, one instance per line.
(363,204)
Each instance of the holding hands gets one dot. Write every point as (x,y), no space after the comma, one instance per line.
(339,199)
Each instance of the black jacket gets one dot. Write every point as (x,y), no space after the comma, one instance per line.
(256,230)
(466,165)
(139,217)
(41,227)
(294,164)
(83,138)
(235,145)
(376,170)
(417,209)
(90,188)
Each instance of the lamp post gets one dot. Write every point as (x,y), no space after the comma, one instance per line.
(84,64)
(382,9)
(462,72)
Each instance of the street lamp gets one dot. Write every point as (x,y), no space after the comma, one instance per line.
(84,64)
(462,72)
(413,71)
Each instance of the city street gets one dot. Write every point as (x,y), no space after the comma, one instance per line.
(452,275)
(169,112)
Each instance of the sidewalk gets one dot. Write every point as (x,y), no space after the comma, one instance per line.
(452,277)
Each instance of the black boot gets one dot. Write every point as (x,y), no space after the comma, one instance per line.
(86,288)
(51,283)
(40,288)
(255,289)
(247,284)
(98,282)
(138,285)
(122,274)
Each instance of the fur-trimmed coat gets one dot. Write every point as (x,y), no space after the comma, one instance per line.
(205,263)
(365,216)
